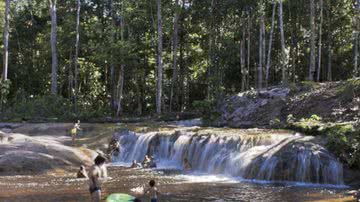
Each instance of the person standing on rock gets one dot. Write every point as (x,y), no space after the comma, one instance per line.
(74,131)
(97,175)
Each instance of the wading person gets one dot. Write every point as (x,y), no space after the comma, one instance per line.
(97,175)
(152,191)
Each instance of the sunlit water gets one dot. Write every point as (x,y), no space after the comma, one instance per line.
(174,185)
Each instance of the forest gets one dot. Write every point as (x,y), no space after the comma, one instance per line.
(96,58)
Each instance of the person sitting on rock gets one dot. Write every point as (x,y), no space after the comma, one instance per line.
(113,146)
(186,164)
(82,172)
(146,162)
(152,163)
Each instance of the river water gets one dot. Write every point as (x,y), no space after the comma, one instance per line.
(214,178)
(173,185)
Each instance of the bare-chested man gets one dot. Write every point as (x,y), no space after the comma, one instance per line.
(97,175)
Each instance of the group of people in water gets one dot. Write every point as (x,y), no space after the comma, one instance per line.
(97,173)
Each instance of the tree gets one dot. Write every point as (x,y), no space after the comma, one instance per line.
(312,41)
(261,45)
(77,51)
(174,89)
(268,63)
(53,41)
(159,59)
(320,40)
(122,69)
(6,40)
(356,37)
(283,51)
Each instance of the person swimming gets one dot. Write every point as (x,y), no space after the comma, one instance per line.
(82,172)
(152,191)
(97,175)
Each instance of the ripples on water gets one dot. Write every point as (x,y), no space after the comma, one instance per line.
(173,184)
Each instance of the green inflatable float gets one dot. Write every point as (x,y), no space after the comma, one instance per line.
(119,197)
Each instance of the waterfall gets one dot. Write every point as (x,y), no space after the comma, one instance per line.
(265,156)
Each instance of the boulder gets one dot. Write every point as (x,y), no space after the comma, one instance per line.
(253,108)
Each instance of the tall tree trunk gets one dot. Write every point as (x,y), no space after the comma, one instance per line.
(242,64)
(329,66)
(174,89)
(120,87)
(356,52)
(159,59)
(121,72)
(112,66)
(261,41)
(248,51)
(268,63)
(293,47)
(320,41)
(356,38)
(53,40)
(312,28)
(70,75)
(77,53)
(182,73)
(282,37)
(330,51)
(6,40)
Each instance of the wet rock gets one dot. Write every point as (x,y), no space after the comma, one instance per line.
(22,154)
(253,108)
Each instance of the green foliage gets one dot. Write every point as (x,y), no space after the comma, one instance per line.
(208,110)
(348,90)
(276,123)
(290,119)
(342,139)
(311,125)
(4,92)
(49,108)
(344,142)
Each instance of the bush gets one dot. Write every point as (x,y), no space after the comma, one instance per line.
(4,92)
(344,141)
(45,108)
(207,108)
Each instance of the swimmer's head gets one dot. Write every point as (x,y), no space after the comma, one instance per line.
(152,183)
(99,160)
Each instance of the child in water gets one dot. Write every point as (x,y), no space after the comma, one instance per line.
(152,190)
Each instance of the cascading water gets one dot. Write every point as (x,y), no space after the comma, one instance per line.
(264,156)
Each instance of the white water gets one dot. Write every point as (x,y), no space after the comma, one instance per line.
(275,157)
